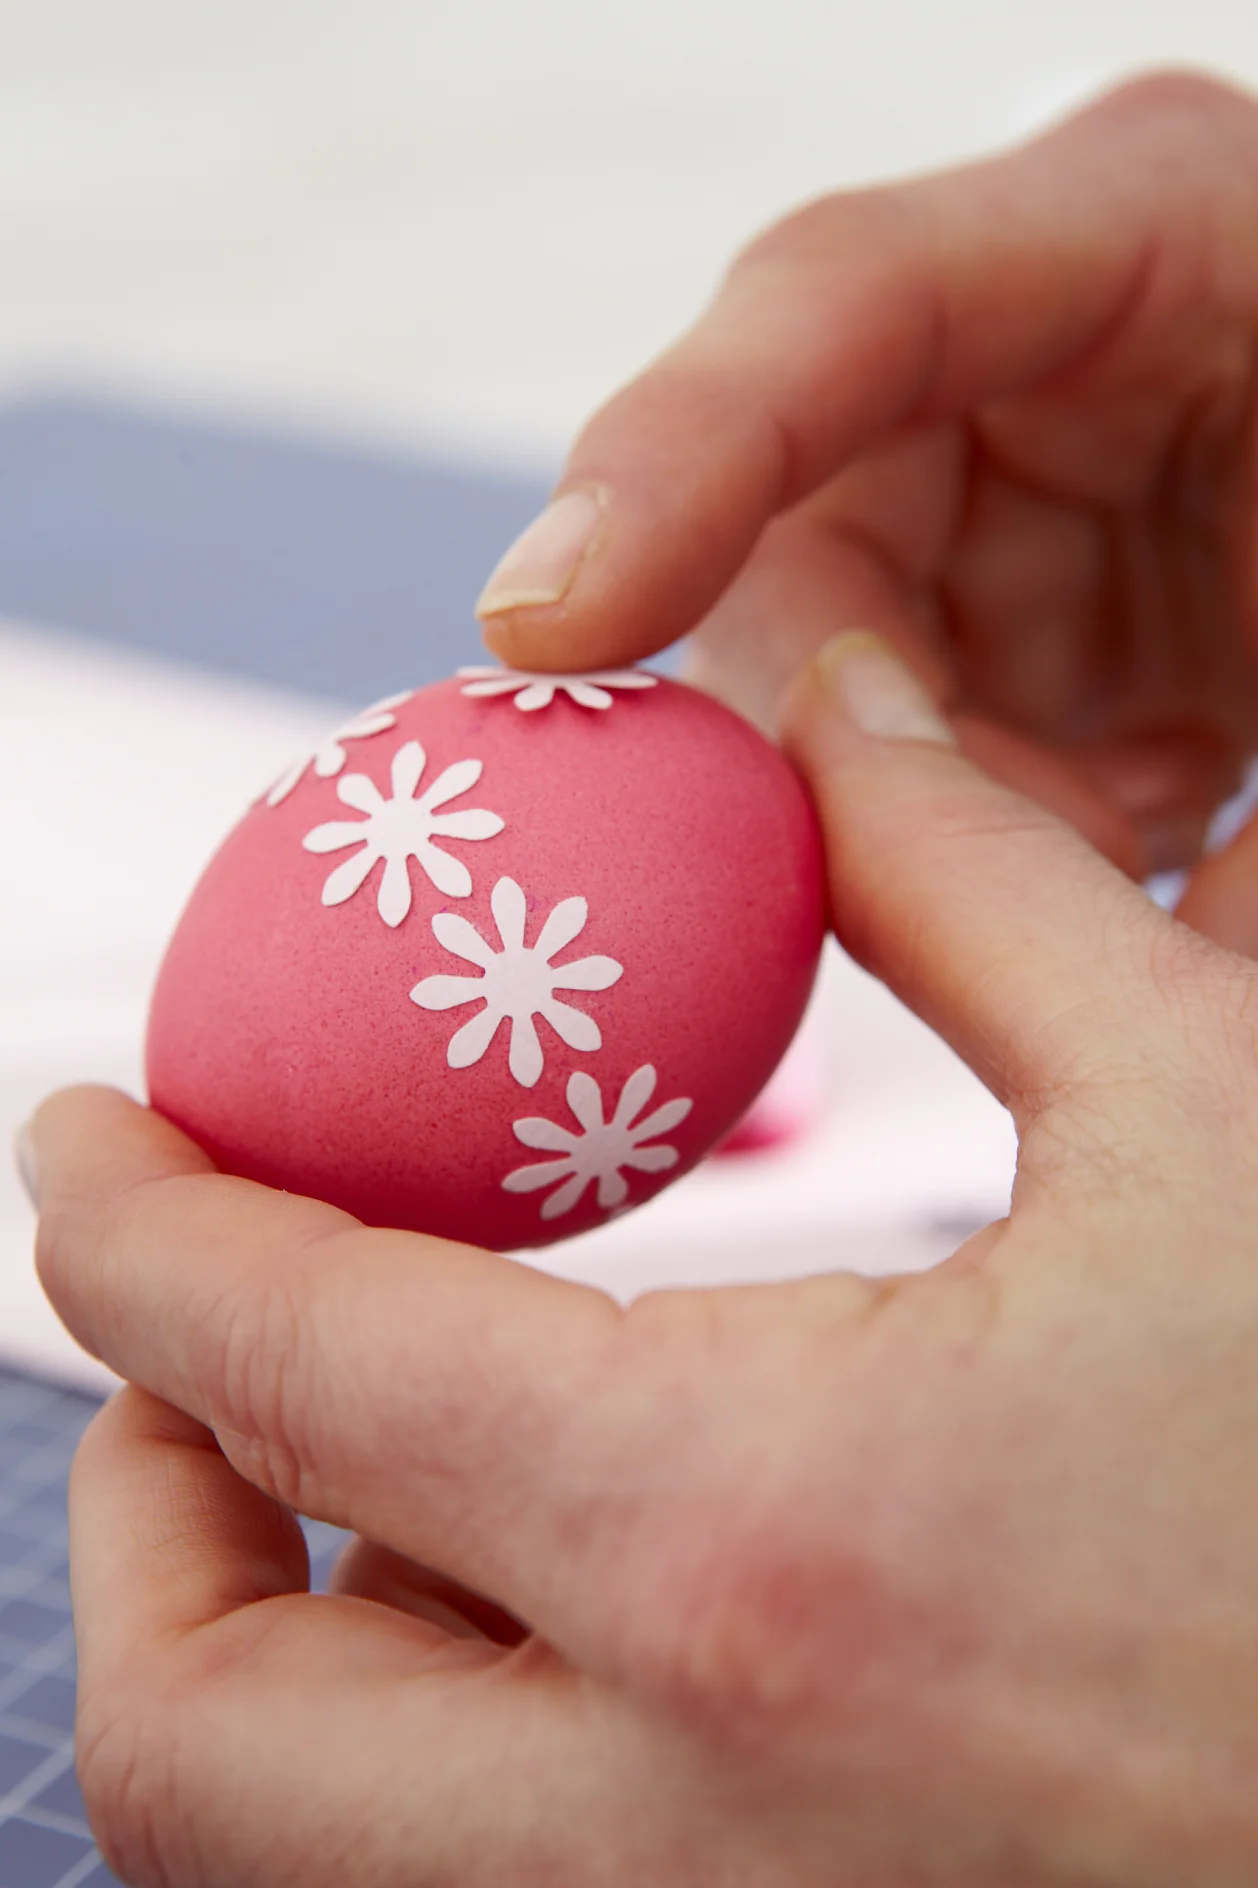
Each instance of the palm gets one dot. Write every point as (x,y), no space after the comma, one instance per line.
(1071,566)
(1003,416)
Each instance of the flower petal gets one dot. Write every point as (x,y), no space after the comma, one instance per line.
(585,1100)
(329,759)
(652,1159)
(585,692)
(447,993)
(286,782)
(525,1060)
(378,707)
(587,973)
(635,1095)
(476,823)
(536,1131)
(364,725)
(613,1189)
(337,833)
(540,1174)
(510,908)
(490,682)
(670,1116)
(565,922)
(348,876)
(536,695)
(622,678)
(357,791)
(451,782)
(393,900)
(449,875)
(407,770)
(574,1027)
(462,938)
(564,1198)
(469,1044)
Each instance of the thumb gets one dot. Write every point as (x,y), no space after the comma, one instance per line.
(992,919)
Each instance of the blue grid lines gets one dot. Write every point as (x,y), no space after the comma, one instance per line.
(44,1838)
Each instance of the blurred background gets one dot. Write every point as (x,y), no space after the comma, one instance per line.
(300,306)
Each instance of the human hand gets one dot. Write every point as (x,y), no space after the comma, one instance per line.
(947,1580)
(1005,417)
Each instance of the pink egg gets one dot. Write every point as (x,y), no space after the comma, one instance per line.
(506,956)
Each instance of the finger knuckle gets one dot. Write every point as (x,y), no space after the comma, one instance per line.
(767,1634)
(59,1253)
(738,1618)
(1174,92)
(127,1750)
(266,1366)
(836,234)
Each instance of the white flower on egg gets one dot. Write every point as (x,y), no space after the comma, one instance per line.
(534,689)
(402,828)
(601,1151)
(330,756)
(517,982)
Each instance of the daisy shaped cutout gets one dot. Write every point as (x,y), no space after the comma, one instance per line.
(330,756)
(517,982)
(602,1149)
(532,690)
(400,829)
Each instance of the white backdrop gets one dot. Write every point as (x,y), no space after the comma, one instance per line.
(471,218)
(461,222)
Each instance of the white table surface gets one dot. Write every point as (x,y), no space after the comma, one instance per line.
(461,225)
(149,767)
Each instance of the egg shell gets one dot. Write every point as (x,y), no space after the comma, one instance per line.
(283,1035)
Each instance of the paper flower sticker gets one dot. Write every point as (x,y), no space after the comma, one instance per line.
(517,982)
(402,828)
(534,690)
(330,756)
(602,1149)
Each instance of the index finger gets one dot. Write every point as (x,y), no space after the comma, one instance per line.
(864,314)
(433,1397)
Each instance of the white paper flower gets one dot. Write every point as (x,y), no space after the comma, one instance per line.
(329,757)
(603,1149)
(400,829)
(517,982)
(535,690)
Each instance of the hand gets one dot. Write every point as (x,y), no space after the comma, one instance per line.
(1007,418)
(948,1581)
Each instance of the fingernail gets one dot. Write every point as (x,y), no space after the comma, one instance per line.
(541,564)
(24,1160)
(873,687)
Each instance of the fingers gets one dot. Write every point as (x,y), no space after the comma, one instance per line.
(431,1397)
(995,922)
(171,1536)
(1056,785)
(861,316)
(1221,898)
(234,1729)
(370,1572)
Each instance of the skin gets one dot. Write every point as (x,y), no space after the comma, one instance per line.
(1005,416)
(942,1582)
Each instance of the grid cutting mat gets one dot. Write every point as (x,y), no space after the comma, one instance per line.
(44,1838)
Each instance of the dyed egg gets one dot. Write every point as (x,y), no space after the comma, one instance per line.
(505,956)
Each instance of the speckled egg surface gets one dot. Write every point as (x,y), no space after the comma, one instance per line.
(505,956)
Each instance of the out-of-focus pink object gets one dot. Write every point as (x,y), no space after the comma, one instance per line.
(791,1104)
(506,956)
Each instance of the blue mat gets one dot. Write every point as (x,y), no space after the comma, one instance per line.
(44,1838)
(344,570)
(339,570)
